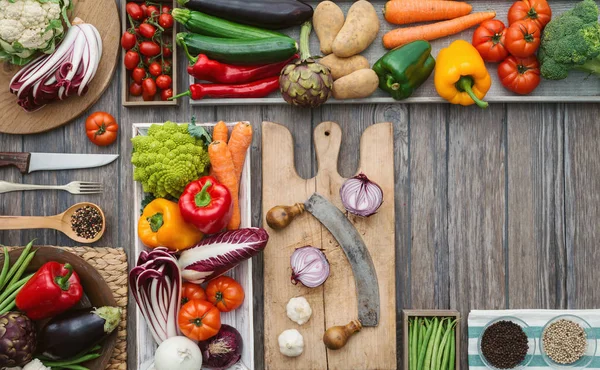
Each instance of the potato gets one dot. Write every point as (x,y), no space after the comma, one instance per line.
(341,67)
(359,31)
(328,20)
(358,84)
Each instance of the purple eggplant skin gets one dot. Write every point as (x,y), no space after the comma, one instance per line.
(270,14)
(76,331)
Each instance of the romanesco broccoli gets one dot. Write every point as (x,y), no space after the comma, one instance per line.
(167,159)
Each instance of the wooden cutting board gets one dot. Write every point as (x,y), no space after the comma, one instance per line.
(333,303)
(105,17)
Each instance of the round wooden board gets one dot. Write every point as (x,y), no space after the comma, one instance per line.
(105,17)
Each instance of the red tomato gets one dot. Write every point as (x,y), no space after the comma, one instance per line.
(166,94)
(138,74)
(149,87)
(165,20)
(488,39)
(537,11)
(520,75)
(101,128)
(135,88)
(165,9)
(149,48)
(132,59)
(155,69)
(163,81)
(134,11)
(522,39)
(128,40)
(147,30)
(151,9)
(144,8)
(167,51)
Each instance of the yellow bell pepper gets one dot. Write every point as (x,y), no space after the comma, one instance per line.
(161,225)
(461,76)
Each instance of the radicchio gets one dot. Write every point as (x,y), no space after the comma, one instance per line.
(217,254)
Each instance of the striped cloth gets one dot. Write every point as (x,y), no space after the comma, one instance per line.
(536,319)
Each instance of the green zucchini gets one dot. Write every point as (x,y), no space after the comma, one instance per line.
(239,51)
(204,24)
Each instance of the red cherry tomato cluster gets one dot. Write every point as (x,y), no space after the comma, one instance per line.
(147,52)
(515,46)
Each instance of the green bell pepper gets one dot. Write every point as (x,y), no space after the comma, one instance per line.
(401,71)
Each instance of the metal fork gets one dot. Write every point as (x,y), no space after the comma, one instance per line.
(74,187)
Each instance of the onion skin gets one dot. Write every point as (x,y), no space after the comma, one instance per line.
(300,266)
(361,196)
(228,338)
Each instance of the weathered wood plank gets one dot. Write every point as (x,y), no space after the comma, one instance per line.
(11,203)
(476,210)
(582,204)
(535,206)
(429,285)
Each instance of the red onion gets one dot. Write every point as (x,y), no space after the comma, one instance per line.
(309,266)
(361,196)
(223,350)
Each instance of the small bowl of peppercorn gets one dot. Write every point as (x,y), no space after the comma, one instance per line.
(568,342)
(506,343)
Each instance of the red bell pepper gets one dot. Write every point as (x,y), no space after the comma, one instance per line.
(206,204)
(206,69)
(257,89)
(53,289)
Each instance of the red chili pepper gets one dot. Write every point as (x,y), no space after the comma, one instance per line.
(256,89)
(206,69)
(206,204)
(53,289)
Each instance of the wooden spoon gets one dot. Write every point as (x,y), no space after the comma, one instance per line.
(60,222)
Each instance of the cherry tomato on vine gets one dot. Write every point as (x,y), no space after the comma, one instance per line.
(135,88)
(134,10)
(163,81)
(101,128)
(489,39)
(166,94)
(522,39)
(520,75)
(147,30)
(151,10)
(149,48)
(138,74)
(128,40)
(144,8)
(155,69)
(165,20)
(149,87)
(167,51)
(536,11)
(132,59)
(165,9)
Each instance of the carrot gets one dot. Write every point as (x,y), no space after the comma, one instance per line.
(222,164)
(220,132)
(239,142)
(412,11)
(401,36)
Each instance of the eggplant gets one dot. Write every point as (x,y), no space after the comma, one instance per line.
(270,14)
(77,331)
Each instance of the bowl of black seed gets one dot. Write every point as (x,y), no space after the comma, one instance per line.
(506,343)
(568,342)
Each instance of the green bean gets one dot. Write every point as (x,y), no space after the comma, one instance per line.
(428,354)
(423,348)
(17,264)
(422,332)
(9,300)
(443,344)
(5,267)
(411,342)
(447,352)
(11,288)
(22,268)
(74,367)
(8,308)
(452,360)
(436,345)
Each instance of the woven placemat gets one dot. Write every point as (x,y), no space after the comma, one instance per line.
(111,263)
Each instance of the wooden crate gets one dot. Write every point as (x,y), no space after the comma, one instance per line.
(406,314)
(242,318)
(127,99)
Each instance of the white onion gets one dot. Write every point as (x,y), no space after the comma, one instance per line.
(178,353)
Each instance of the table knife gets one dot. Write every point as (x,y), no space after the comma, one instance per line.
(30,162)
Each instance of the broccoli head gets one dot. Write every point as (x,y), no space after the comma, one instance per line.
(571,41)
(167,159)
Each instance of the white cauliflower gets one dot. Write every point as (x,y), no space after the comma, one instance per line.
(29,26)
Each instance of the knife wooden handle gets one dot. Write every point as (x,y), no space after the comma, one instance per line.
(19,160)
(337,336)
(279,217)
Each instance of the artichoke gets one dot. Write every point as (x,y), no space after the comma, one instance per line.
(305,83)
(17,339)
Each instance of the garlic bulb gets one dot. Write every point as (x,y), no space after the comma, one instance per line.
(291,343)
(298,310)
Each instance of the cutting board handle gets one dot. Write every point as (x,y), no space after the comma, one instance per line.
(328,139)
(19,160)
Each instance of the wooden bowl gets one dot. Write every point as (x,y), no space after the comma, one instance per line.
(96,293)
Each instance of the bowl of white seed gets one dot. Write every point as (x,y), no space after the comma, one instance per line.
(568,342)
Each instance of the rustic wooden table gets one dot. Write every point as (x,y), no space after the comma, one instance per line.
(495,208)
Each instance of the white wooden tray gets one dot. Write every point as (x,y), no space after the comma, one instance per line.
(578,87)
(243,318)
